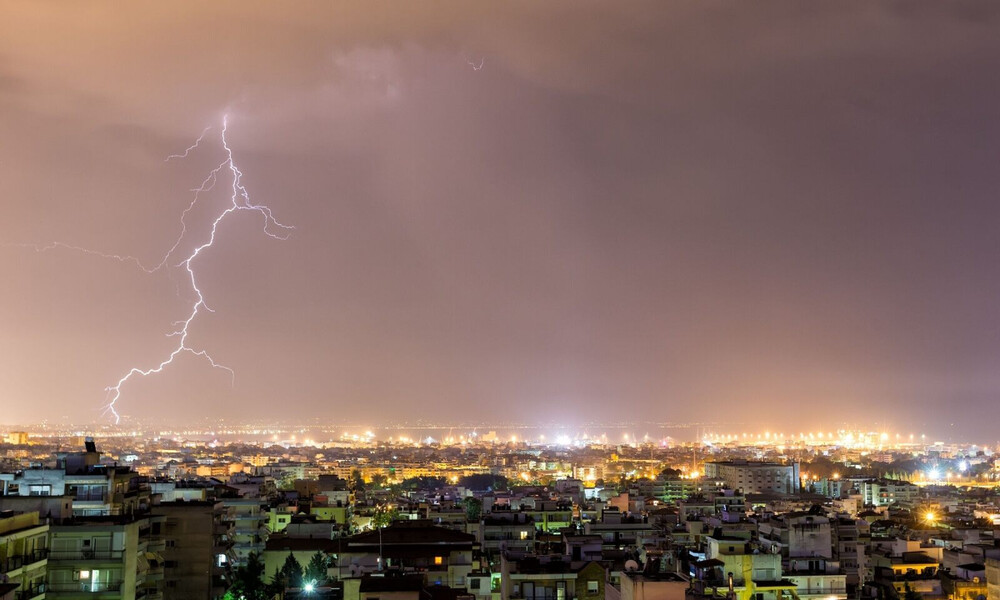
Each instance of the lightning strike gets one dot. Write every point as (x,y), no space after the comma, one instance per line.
(239,201)
(475,67)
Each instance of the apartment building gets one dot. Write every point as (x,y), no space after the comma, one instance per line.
(24,553)
(105,555)
(755,477)
(197,549)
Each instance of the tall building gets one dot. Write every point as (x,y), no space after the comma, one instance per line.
(755,477)
(197,550)
(249,521)
(17,438)
(23,553)
(100,540)
(109,556)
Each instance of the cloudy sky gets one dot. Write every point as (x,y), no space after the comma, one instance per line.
(781,215)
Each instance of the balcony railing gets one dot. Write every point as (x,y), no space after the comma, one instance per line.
(85,554)
(28,593)
(827,591)
(86,586)
(89,497)
(538,595)
(12,563)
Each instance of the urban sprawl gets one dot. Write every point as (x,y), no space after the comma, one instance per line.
(809,516)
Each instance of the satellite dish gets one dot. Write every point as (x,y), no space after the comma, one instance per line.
(631,565)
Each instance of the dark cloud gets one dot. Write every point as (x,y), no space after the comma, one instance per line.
(712,211)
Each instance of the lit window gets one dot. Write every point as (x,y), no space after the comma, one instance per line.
(438,560)
(592,586)
(84,574)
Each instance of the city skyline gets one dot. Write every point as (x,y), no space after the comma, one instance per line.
(780,217)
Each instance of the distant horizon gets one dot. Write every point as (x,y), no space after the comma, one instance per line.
(639,432)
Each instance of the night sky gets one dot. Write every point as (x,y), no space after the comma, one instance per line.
(779,215)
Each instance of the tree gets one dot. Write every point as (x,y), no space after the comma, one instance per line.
(379,481)
(383,516)
(424,483)
(473,509)
(910,594)
(483,481)
(290,573)
(356,482)
(248,580)
(669,473)
(316,569)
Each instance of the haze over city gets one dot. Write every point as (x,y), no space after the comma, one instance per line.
(778,217)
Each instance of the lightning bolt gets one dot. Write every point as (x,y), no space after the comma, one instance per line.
(475,67)
(239,201)
(190,148)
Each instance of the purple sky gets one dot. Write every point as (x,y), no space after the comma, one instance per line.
(781,215)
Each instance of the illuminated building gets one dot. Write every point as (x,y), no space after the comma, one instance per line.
(754,574)
(17,438)
(545,578)
(755,477)
(992,577)
(883,492)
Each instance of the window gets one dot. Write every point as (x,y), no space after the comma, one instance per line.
(84,575)
(438,560)
(592,586)
(39,490)
(474,584)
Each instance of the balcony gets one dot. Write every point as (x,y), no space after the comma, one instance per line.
(148,594)
(57,555)
(86,587)
(14,563)
(29,593)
